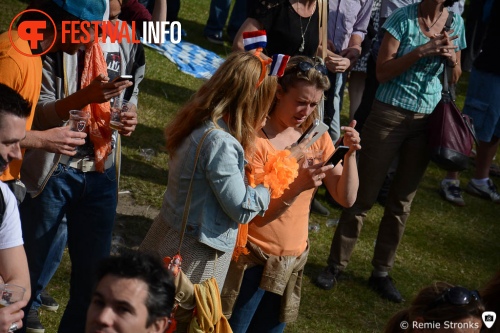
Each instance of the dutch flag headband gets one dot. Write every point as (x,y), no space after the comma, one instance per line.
(257,40)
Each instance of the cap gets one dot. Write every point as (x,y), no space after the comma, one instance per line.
(85,10)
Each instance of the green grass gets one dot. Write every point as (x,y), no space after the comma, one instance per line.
(441,242)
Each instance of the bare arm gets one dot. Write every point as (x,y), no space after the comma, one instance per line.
(159,11)
(14,268)
(250,24)
(342,182)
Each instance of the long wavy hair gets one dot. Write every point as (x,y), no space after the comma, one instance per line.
(233,93)
(293,75)
(422,307)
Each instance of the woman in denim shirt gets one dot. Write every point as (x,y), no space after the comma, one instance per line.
(235,101)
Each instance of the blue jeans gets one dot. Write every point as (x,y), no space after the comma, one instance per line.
(256,310)
(333,103)
(89,202)
(52,262)
(219,11)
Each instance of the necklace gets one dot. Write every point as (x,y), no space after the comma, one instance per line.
(427,27)
(303,32)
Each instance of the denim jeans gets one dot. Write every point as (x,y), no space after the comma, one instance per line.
(256,310)
(88,200)
(219,11)
(333,103)
(389,132)
(52,262)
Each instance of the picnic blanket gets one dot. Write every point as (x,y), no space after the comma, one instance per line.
(190,58)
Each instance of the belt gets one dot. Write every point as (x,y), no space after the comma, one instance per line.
(84,164)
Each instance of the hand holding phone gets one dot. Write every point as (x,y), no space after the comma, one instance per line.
(122,78)
(314,132)
(338,155)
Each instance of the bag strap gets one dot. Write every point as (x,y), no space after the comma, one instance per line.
(185,215)
(447,27)
(323,36)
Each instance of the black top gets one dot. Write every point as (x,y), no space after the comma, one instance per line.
(487,60)
(282,25)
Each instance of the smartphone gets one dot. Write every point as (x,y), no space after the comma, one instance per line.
(338,155)
(315,131)
(122,78)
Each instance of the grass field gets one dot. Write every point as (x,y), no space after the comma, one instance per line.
(441,242)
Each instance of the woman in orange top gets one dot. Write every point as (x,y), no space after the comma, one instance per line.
(278,241)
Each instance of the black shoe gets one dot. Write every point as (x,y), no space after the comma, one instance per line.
(33,324)
(318,208)
(216,39)
(328,277)
(385,287)
(48,303)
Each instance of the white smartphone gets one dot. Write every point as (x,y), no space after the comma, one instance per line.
(122,78)
(315,131)
(338,155)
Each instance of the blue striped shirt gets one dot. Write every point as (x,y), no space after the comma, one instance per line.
(418,89)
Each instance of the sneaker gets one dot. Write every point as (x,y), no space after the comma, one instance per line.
(48,303)
(318,208)
(216,39)
(451,191)
(327,279)
(488,191)
(33,324)
(385,287)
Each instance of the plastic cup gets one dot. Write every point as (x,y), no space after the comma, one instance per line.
(119,105)
(312,157)
(10,294)
(78,120)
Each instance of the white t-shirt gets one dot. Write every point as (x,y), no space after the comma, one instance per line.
(10,230)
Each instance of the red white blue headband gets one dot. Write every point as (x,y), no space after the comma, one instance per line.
(257,40)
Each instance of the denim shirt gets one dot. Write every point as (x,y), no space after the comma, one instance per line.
(220,198)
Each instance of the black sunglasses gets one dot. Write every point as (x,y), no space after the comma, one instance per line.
(455,296)
(305,66)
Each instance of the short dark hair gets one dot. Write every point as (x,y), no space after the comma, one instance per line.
(13,103)
(147,268)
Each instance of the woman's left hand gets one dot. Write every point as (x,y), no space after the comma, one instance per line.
(351,137)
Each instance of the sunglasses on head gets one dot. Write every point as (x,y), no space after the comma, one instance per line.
(305,66)
(455,296)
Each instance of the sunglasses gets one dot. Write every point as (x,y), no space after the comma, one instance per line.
(455,296)
(305,66)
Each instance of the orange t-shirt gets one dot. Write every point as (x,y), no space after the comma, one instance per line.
(287,235)
(23,74)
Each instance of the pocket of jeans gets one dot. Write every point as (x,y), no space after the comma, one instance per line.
(111,173)
(61,168)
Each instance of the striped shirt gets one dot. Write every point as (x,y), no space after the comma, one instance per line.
(418,89)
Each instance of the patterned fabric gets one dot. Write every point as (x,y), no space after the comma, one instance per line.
(373,26)
(198,259)
(190,58)
(418,89)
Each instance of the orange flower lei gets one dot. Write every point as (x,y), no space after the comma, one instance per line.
(280,171)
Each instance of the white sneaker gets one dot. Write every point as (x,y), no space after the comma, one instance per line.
(488,191)
(451,191)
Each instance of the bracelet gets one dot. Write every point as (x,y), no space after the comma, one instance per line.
(455,64)
(286,203)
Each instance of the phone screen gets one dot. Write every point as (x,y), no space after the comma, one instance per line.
(338,155)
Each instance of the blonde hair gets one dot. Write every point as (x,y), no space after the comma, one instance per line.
(231,93)
(293,75)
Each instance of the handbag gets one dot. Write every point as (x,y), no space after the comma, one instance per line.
(185,300)
(451,133)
